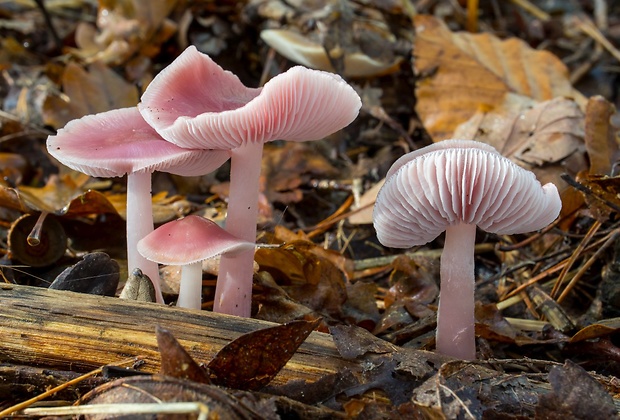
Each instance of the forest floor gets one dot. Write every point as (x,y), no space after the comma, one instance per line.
(538,80)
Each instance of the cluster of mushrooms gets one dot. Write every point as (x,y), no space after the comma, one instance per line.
(194,116)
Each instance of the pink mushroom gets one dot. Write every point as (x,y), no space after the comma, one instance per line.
(456,185)
(194,103)
(187,242)
(120,142)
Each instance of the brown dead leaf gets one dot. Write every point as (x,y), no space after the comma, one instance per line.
(61,195)
(543,137)
(310,279)
(176,361)
(125,27)
(88,92)
(600,136)
(574,394)
(165,207)
(600,329)
(252,360)
(217,402)
(462,73)
(288,167)
(603,190)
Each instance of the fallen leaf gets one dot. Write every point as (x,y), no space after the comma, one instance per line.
(88,92)
(125,28)
(600,136)
(596,330)
(288,167)
(176,361)
(307,278)
(574,394)
(462,73)
(217,402)
(62,195)
(251,361)
(96,273)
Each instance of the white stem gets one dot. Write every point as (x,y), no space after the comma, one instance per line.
(190,291)
(139,224)
(455,319)
(233,293)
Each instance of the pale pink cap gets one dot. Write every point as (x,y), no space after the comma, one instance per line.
(195,103)
(119,142)
(460,181)
(189,240)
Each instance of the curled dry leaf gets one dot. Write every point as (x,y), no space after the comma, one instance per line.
(124,28)
(61,195)
(251,361)
(307,278)
(461,73)
(543,137)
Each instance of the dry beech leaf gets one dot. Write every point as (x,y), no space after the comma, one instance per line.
(251,361)
(462,73)
(542,137)
(88,92)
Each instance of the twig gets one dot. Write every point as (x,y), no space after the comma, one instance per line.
(613,237)
(576,254)
(533,10)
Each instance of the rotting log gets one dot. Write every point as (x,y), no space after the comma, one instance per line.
(78,332)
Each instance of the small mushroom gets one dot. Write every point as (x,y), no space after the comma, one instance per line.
(454,186)
(187,242)
(120,142)
(196,104)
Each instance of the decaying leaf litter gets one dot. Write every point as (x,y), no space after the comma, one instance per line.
(536,80)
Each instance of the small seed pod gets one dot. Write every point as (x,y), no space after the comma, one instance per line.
(37,241)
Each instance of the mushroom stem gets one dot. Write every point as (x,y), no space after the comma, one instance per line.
(190,292)
(139,224)
(455,317)
(233,293)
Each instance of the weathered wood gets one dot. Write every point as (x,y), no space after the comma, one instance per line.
(72,331)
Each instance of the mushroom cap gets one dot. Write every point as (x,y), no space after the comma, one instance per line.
(194,103)
(459,181)
(189,240)
(119,142)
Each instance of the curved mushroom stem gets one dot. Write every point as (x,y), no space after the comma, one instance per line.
(139,224)
(190,292)
(233,293)
(455,318)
